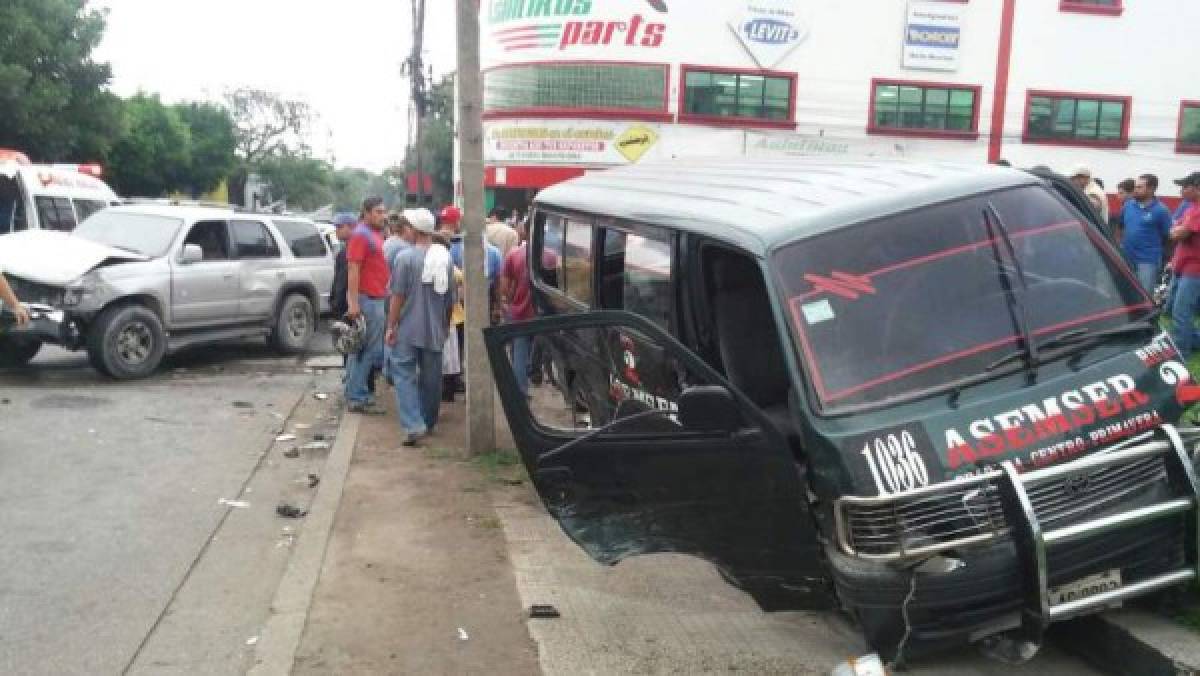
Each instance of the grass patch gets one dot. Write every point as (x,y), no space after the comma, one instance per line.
(436,453)
(501,466)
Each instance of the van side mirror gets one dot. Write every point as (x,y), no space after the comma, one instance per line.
(709,408)
(192,253)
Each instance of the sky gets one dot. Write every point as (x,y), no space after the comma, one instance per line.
(341,56)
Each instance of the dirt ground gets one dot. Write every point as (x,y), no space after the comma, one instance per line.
(417,561)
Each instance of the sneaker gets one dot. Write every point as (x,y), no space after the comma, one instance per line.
(367,408)
(411,440)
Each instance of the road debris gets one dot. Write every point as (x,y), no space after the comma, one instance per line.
(242,404)
(544,612)
(252,640)
(320,396)
(867,665)
(318,437)
(6,401)
(315,446)
(462,634)
(290,511)
(292,452)
(239,504)
(301,426)
(313,480)
(286,437)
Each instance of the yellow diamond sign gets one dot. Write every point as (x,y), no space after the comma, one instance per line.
(635,142)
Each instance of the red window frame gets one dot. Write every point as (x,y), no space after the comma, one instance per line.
(969,135)
(588,113)
(740,122)
(1122,142)
(1180,146)
(1089,8)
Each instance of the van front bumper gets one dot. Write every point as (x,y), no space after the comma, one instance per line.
(981,555)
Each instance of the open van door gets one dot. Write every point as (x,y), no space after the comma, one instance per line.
(672,459)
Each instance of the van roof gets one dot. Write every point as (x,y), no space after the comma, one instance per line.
(758,204)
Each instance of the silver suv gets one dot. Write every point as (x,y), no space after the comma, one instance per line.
(133,283)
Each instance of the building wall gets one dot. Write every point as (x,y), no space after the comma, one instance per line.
(1146,52)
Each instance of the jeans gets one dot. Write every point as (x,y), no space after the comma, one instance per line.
(1183,314)
(520,362)
(417,377)
(1147,274)
(360,364)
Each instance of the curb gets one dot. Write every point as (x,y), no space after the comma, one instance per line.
(280,638)
(1132,641)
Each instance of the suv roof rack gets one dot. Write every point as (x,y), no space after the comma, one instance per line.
(172,202)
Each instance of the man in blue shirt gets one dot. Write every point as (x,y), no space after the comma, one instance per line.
(1146,225)
(1189,190)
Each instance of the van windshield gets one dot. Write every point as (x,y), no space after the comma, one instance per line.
(144,234)
(919,300)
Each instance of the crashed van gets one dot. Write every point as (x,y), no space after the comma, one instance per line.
(49,196)
(930,395)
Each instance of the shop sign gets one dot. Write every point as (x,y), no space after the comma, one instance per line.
(562,25)
(787,144)
(587,143)
(769,29)
(932,35)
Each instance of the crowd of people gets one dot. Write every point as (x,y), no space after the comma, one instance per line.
(398,285)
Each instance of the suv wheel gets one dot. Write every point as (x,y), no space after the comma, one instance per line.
(126,342)
(16,351)
(295,324)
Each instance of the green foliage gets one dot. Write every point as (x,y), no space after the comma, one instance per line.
(437,142)
(213,144)
(154,156)
(305,183)
(53,97)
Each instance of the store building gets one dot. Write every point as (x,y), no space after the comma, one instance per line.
(572,86)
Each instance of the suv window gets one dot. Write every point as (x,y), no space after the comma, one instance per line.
(85,208)
(55,213)
(302,238)
(636,274)
(928,303)
(577,261)
(213,239)
(253,240)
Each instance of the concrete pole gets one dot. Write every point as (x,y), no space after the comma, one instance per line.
(481,430)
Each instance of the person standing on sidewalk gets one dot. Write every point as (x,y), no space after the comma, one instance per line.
(1081,176)
(1146,225)
(500,234)
(1189,190)
(516,295)
(1186,264)
(366,294)
(422,299)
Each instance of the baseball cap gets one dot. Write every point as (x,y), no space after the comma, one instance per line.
(1192,179)
(421,220)
(344,218)
(451,214)
(1080,170)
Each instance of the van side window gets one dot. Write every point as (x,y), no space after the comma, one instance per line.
(55,213)
(636,274)
(577,261)
(85,208)
(552,250)
(253,240)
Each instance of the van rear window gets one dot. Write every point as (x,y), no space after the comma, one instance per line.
(918,300)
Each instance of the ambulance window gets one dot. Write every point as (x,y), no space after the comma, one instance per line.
(253,240)
(636,274)
(85,208)
(55,213)
(577,261)
(552,243)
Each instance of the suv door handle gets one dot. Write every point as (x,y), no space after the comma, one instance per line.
(228,275)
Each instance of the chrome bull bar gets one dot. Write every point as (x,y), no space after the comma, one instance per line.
(1034,537)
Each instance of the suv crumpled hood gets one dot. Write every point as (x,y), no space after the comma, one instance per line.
(56,258)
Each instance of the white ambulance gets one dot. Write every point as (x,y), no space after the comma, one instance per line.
(48,196)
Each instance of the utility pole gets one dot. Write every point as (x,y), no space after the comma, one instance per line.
(481,430)
(415,67)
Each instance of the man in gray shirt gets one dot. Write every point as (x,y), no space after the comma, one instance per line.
(422,298)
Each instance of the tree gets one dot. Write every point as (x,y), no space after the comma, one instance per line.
(154,157)
(266,126)
(54,98)
(306,183)
(437,143)
(213,145)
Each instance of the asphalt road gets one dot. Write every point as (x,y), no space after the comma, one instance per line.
(118,555)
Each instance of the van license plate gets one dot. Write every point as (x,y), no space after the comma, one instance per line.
(1085,587)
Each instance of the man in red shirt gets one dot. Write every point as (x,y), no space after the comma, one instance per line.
(516,295)
(1186,264)
(366,296)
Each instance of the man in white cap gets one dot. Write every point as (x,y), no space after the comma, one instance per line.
(423,298)
(1081,176)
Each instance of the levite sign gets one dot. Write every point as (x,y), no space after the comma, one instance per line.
(552,142)
(932,35)
(769,29)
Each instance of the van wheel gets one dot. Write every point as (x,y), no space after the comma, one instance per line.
(295,324)
(16,351)
(126,342)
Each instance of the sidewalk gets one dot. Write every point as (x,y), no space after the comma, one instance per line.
(417,553)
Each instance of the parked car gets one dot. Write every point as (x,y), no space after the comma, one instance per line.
(931,395)
(136,282)
(49,197)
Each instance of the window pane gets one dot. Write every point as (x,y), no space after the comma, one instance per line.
(1191,125)
(253,240)
(1112,120)
(55,213)
(637,275)
(750,95)
(887,98)
(577,261)
(552,246)
(1041,112)
(302,238)
(1064,117)
(85,208)
(736,95)
(936,102)
(910,107)
(726,94)
(590,85)
(1087,116)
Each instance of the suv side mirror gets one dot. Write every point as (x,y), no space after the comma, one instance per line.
(708,408)
(192,253)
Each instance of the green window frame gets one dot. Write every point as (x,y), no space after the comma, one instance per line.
(1189,128)
(734,95)
(1077,120)
(917,108)
(597,87)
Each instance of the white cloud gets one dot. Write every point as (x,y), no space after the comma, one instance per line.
(342,56)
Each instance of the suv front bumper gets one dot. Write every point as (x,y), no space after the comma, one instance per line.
(46,324)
